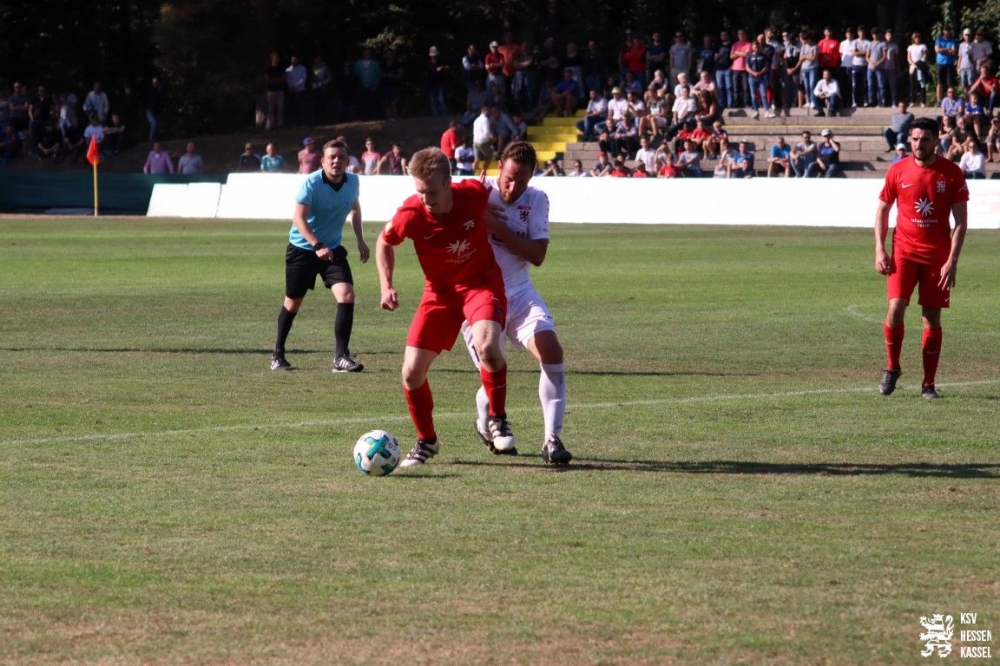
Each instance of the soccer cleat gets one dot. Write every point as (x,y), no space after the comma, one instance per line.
(278,362)
(928,392)
(500,433)
(512,451)
(554,453)
(422,451)
(888,383)
(346,364)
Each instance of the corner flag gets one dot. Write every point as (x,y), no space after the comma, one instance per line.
(94,157)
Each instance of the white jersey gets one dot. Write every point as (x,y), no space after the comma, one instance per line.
(527,217)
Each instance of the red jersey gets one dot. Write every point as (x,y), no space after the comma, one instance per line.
(454,252)
(449,142)
(829,53)
(923,197)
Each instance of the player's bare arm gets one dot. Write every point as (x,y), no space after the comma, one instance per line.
(883,261)
(299,217)
(960,211)
(385,260)
(533,251)
(355,216)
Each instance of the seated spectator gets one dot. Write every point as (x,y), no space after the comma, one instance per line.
(190,162)
(74,145)
(724,165)
(603,166)
(827,94)
(619,170)
(973,162)
(667,167)
(975,116)
(49,146)
(94,129)
(900,152)
(702,137)
(993,140)
(624,137)
(543,106)
(952,105)
(158,161)
(597,112)
(685,108)
(708,108)
(742,163)
(705,83)
(566,95)
(949,136)
(804,154)
(474,101)
(248,162)
(114,135)
(780,158)
(10,145)
(630,84)
(272,162)
(577,171)
(395,161)
(719,142)
(645,154)
(640,171)
(503,128)
(465,158)
(551,168)
(519,128)
(899,127)
(986,87)
(656,84)
(690,160)
(827,162)
(655,121)
(962,133)
(617,108)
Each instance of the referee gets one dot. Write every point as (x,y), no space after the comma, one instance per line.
(324,202)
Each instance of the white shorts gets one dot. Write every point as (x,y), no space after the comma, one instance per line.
(527,315)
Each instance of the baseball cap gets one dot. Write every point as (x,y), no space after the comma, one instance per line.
(306,141)
(900,146)
(494,43)
(966,32)
(433,51)
(248,147)
(826,132)
(616,89)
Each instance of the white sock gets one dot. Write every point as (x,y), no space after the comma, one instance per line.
(482,409)
(552,394)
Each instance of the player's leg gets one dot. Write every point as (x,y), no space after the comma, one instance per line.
(420,403)
(486,339)
(931,347)
(338,278)
(482,400)
(300,277)
(899,287)
(545,347)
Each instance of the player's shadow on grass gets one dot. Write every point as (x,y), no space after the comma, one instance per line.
(936,470)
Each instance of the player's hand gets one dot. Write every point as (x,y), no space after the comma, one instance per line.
(363,251)
(324,254)
(495,216)
(948,273)
(883,263)
(390,300)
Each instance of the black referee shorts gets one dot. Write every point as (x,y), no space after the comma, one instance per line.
(302,267)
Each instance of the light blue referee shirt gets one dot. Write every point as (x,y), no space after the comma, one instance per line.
(328,208)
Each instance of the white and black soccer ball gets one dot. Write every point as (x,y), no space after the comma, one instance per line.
(376,453)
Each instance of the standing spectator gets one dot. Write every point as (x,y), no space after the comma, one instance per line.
(67,112)
(847,65)
(827,162)
(465,158)
(483,137)
(925,249)
(632,59)
(916,58)
(981,49)
(274,82)
(473,68)
(495,64)
(779,158)
(272,162)
(190,162)
(828,49)
(574,63)
(368,75)
(97,104)
(705,58)
(899,127)
(827,94)
(154,105)
(320,86)
(436,76)
(758,68)
(809,59)
(656,54)
(17,104)
(891,67)
(593,67)
(309,157)
(346,90)
(724,72)
(327,198)
(370,158)
(451,139)
(740,50)
(474,101)
(946,51)
(114,135)
(249,162)
(295,83)
(158,161)
(566,95)
(776,49)
(394,160)
(966,61)
(523,85)
(859,66)
(39,116)
(877,54)
(392,77)
(547,61)
(681,55)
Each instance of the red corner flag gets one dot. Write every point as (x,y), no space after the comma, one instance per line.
(93,153)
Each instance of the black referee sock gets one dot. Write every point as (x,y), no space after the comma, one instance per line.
(285,319)
(342,326)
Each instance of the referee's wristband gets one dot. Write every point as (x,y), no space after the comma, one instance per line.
(317,246)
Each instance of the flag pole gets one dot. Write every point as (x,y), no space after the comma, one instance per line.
(95,189)
(94,157)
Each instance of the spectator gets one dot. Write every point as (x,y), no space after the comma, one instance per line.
(681,55)
(370,158)
(593,67)
(975,115)
(946,54)
(981,50)
(320,81)
(827,95)
(39,117)
(519,128)
(73,143)
(803,155)
(577,171)
(847,65)
(639,170)
(916,58)
(900,152)
(391,79)
(827,162)
(574,62)
(475,99)
(597,111)
(705,58)
(719,143)
(495,63)
(368,76)
(973,162)
(17,104)
(436,73)
(758,70)
(655,122)
(158,161)
(741,164)
(603,166)
(248,162)
(544,105)
(566,95)
(190,162)
(274,82)
(295,83)
(690,160)
(483,137)
(465,158)
(899,127)
(309,157)
(97,104)
(646,154)
(877,54)
(451,140)
(625,136)
(353,163)
(685,109)
(67,112)
(4,108)
(473,69)
(723,71)
(510,50)
(891,67)
(708,110)
(523,83)
(95,130)
(504,128)
(619,170)
(702,137)
(707,84)
(552,168)
(10,145)
(740,50)
(952,105)
(49,144)
(859,67)
(809,67)
(114,135)
(966,61)
(986,87)
(153,104)
(667,167)
(993,140)
(394,160)
(548,63)
(632,60)
(656,55)
(271,162)
(779,159)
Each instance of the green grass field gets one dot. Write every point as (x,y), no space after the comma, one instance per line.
(740,493)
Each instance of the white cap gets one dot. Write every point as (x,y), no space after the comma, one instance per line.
(826,132)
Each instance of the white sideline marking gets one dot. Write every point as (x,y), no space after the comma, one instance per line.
(361,420)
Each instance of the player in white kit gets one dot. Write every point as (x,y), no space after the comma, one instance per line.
(519,233)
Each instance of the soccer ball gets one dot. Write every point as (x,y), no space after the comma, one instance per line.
(376,453)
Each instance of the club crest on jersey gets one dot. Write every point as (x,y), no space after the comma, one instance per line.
(940,186)
(523,212)
(469,224)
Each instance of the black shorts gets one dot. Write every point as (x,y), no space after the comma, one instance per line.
(302,267)
(946,76)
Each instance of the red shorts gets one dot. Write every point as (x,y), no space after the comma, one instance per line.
(907,274)
(439,317)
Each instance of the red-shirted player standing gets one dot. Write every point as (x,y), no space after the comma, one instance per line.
(462,282)
(927,190)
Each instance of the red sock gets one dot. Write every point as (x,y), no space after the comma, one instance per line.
(421,405)
(893,344)
(931,345)
(495,384)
